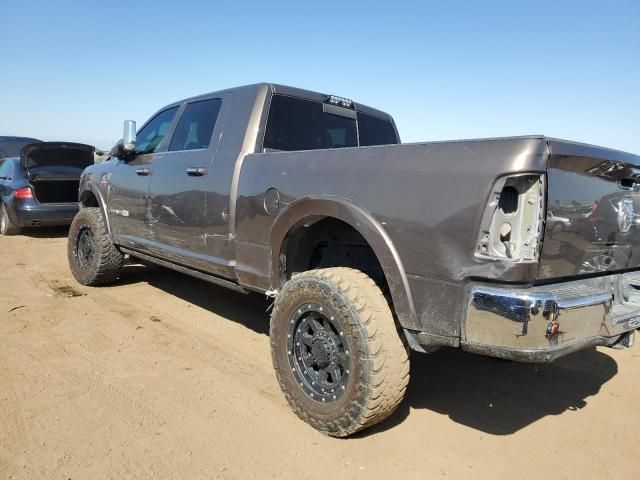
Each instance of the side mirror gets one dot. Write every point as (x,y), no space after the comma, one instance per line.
(118,150)
(129,136)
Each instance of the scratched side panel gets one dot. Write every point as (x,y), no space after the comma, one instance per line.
(438,303)
(428,197)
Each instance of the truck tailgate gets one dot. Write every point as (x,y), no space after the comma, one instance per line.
(593,211)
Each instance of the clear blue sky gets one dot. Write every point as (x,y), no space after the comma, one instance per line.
(444,69)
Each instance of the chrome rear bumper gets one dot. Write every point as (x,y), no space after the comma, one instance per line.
(542,323)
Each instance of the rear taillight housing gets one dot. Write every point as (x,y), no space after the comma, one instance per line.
(23,193)
(513,219)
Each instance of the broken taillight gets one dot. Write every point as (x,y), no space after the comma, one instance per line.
(24,193)
(513,220)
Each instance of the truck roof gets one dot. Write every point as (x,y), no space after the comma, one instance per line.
(291,91)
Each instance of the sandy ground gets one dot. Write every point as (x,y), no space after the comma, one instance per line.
(164,376)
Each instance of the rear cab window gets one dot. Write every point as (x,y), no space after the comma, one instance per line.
(300,124)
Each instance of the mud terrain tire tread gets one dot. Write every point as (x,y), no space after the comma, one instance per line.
(382,354)
(108,260)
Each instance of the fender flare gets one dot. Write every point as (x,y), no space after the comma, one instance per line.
(370,229)
(94,189)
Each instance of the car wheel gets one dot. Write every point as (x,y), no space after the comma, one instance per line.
(338,355)
(93,258)
(7,227)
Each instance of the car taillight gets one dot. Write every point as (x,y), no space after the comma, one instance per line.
(24,193)
(513,219)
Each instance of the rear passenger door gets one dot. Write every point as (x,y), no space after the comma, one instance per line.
(180,181)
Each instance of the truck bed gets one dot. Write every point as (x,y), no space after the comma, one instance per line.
(430,197)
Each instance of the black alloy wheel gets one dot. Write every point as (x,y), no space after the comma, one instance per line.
(318,352)
(84,250)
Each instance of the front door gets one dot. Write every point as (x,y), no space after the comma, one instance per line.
(180,181)
(128,182)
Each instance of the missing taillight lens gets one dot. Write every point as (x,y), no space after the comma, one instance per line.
(24,193)
(513,219)
(508,202)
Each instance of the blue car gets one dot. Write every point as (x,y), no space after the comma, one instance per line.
(39,182)
(11,146)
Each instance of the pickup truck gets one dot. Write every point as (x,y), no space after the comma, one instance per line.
(369,247)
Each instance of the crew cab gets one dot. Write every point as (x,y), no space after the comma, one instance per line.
(370,247)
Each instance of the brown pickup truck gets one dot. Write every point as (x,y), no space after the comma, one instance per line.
(370,247)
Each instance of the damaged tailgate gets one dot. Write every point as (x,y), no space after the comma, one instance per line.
(593,211)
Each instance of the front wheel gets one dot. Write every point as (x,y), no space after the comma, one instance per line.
(93,258)
(338,356)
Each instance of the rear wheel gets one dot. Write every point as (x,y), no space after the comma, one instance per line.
(338,356)
(93,258)
(7,227)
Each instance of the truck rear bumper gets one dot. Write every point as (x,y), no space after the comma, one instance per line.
(540,324)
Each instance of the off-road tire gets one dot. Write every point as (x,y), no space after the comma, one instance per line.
(379,356)
(7,227)
(106,262)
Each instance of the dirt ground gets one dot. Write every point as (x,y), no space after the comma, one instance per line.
(165,376)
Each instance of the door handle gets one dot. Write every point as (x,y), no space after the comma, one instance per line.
(143,171)
(196,172)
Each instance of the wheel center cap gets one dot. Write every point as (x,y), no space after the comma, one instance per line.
(322,349)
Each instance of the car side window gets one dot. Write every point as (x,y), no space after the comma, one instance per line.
(196,125)
(149,138)
(5,170)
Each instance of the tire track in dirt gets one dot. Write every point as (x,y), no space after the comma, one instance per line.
(13,430)
(188,344)
(148,410)
(213,351)
(48,358)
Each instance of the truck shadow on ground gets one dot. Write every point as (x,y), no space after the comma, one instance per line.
(501,397)
(490,395)
(249,310)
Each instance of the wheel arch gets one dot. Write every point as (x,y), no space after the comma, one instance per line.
(91,196)
(363,222)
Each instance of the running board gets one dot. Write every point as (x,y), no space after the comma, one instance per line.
(186,270)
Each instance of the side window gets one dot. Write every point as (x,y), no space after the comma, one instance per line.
(196,125)
(150,136)
(375,131)
(5,170)
(293,124)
